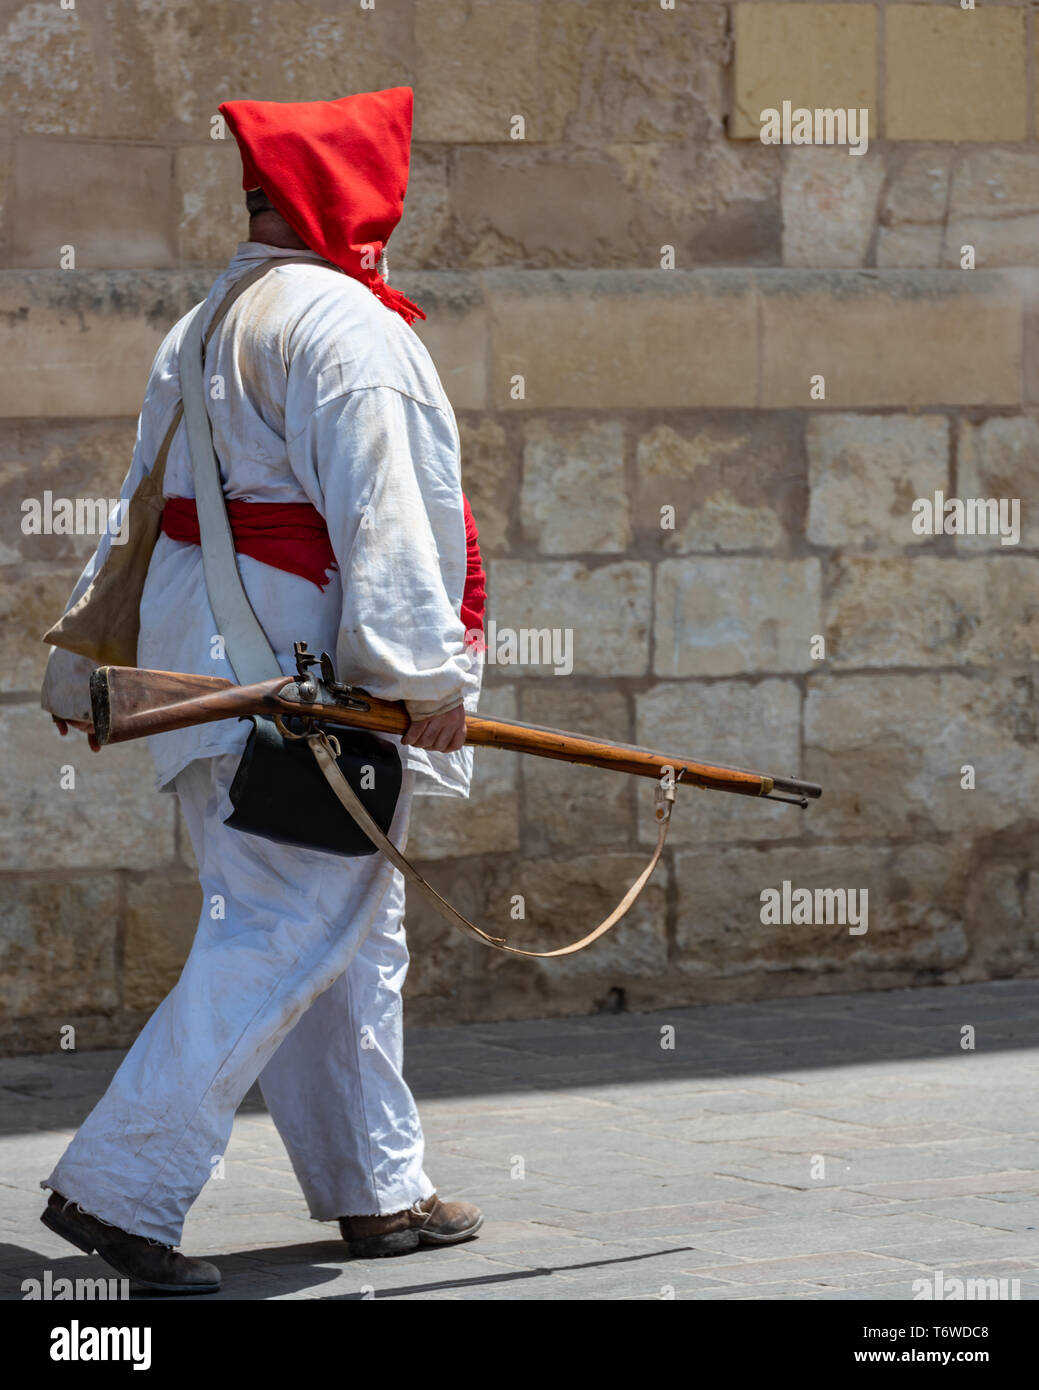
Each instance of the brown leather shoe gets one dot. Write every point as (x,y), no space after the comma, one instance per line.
(431,1222)
(146,1262)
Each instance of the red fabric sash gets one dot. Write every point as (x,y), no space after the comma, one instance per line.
(292,536)
(474,600)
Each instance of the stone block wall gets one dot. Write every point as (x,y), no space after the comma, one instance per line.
(592,213)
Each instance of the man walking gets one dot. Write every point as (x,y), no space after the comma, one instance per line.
(340,464)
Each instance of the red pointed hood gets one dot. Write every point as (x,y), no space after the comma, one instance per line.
(337,172)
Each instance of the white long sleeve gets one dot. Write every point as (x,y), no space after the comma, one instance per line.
(382,468)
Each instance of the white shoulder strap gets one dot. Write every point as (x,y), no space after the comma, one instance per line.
(251,656)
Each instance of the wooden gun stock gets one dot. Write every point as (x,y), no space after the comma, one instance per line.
(129,703)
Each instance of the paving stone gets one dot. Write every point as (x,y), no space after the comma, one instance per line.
(983,1211)
(701,1190)
(880,1292)
(659,1220)
(966,1251)
(942,1187)
(813,1267)
(831,1233)
(1007,1151)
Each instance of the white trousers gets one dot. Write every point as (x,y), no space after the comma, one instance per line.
(295,977)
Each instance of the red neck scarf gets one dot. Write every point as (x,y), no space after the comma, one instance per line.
(337,172)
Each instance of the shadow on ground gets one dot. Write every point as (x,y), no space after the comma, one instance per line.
(305,1268)
(57,1090)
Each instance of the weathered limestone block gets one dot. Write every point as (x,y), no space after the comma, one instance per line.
(161,917)
(933,611)
(490,479)
(951,81)
(601,615)
(112,819)
(918,187)
(324,49)
(212,216)
(888,751)
(565,805)
(581,339)
(910,246)
(807,54)
(913,921)
(51,83)
(81,343)
(423,239)
(995,241)
(452,974)
(734,484)
(5,201)
(58,945)
(31,600)
(631,72)
(85,459)
(500,222)
(994,207)
(1027,282)
(477,68)
(1002,916)
(488,821)
(455,332)
(736,723)
(865,472)
(112,204)
(912,217)
(711,202)
(725,617)
(997,458)
(172,63)
(574,497)
(901,339)
(829,205)
(564,898)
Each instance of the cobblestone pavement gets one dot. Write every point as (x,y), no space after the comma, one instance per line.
(829,1148)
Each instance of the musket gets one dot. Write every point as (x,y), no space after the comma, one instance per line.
(130,703)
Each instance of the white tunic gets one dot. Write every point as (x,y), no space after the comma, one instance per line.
(320,394)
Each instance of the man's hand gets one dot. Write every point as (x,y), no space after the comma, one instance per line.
(84,727)
(443,733)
